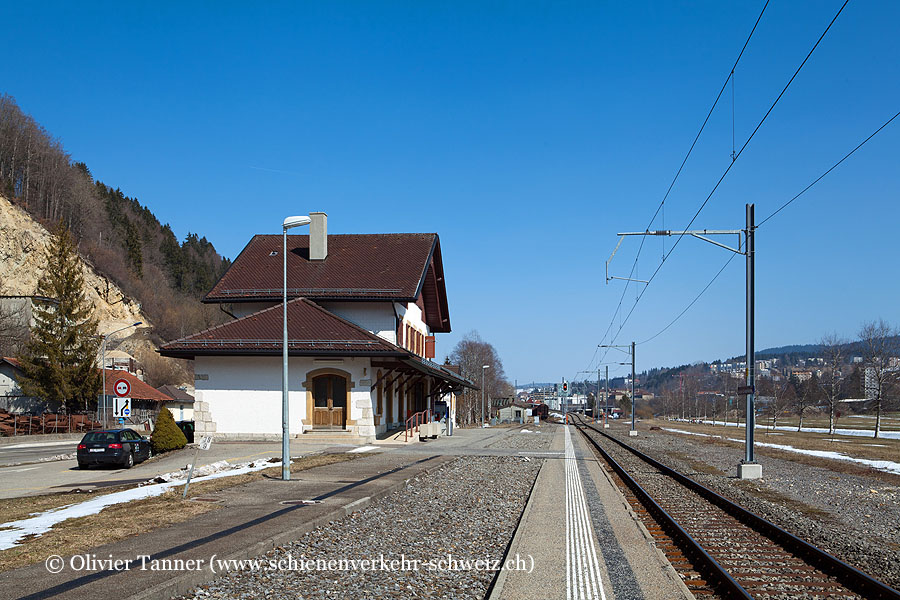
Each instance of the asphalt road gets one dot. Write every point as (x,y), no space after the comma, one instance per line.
(26,452)
(63,475)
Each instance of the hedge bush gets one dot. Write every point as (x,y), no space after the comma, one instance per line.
(166,435)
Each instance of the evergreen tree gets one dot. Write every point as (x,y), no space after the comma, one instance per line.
(166,434)
(59,360)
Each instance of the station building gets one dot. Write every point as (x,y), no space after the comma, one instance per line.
(362,314)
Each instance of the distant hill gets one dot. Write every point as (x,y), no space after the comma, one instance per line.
(119,237)
(796,351)
(808,349)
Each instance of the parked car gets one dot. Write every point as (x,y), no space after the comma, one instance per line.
(113,446)
(187,428)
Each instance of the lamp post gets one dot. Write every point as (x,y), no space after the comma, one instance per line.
(103,358)
(289,223)
(483,368)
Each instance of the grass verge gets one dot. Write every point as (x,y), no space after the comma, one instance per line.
(856,447)
(117,522)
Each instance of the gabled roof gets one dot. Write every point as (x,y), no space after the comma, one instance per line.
(312,331)
(177,393)
(390,266)
(139,389)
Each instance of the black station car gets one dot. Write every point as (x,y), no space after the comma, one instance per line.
(113,446)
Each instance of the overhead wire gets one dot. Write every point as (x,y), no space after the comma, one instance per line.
(761,223)
(728,169)
(833,167)
(661,206)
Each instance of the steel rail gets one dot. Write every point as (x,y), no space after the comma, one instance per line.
(728,585)
(853,578)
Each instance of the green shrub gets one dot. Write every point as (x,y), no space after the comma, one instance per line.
(166,435)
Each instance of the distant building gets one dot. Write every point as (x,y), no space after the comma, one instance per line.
(11,397)
(870,383)
(514,412)
(122,361)
(182,404)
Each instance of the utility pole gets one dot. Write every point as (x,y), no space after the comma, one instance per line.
(748,468)
(633,431)
(606,412)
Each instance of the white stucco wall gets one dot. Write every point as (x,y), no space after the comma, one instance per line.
(244,393)
(181,411)
(8,384)
(377,317)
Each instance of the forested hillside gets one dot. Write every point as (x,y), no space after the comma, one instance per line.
(118,235)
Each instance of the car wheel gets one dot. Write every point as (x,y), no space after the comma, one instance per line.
(129,460)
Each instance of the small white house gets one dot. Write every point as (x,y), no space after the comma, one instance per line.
(362,314)
(181,405)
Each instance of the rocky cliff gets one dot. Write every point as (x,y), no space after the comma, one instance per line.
(23,242)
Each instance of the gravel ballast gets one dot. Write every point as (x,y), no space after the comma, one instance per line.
(465,511)
(528,438)
(853,517)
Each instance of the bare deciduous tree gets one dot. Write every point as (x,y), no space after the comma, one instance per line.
(833,351)
(809,392)
(470,354)
(879,343)
(13,329)
(160,370)
(783,396)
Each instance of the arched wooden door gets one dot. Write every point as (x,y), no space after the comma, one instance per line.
(329,402)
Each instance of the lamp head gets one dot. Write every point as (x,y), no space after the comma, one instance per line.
(295,222)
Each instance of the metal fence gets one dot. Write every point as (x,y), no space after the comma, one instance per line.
(13,424)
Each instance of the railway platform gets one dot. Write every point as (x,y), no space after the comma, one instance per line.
(583,538)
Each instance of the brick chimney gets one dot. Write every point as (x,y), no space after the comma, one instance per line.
(318,236)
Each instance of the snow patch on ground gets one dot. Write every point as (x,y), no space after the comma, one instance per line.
(42,444)
(689,432)
(59,457)
(362,449)
(882,465)
(888,435)
(37,524)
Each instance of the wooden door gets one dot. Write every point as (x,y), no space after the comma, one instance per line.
(338,402)
(329,402)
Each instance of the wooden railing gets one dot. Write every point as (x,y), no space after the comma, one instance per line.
(413,423)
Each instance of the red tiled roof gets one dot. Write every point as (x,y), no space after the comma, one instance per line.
(14,362)
(139,389)
(312,331)
(359,266)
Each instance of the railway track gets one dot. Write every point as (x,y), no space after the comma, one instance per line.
(719,548)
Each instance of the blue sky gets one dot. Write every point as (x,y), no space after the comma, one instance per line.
(526,134)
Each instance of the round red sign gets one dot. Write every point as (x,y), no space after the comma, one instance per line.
(122,388)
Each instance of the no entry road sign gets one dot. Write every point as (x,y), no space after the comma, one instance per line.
(122,388)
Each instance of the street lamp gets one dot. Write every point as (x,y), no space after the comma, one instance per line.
(483,368)
(289,223)
(103,358)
